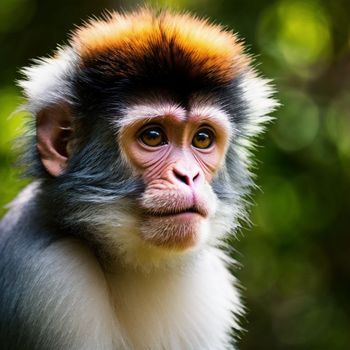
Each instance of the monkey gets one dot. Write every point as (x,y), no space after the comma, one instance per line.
(139,149)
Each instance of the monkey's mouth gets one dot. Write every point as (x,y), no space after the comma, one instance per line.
(178,212)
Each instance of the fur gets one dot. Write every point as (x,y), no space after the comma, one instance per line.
(74,272)
(126,45)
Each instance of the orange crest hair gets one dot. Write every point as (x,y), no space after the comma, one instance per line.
(125,44)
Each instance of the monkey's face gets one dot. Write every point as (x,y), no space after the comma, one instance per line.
(177,152)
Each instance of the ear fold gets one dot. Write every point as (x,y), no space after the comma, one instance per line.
(54,130)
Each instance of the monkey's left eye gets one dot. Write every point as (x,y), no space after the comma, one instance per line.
(203,138)
(153,136)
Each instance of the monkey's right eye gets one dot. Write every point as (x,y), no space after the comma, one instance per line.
(153,137)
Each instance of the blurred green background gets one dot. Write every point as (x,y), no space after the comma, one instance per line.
(295,259)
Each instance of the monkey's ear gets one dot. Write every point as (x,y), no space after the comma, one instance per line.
(54,130)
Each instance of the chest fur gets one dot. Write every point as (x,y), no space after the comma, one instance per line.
(192,307)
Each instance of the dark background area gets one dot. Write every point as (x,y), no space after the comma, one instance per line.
(295,258)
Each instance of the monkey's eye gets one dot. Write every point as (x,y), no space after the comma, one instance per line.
(153,136)
(203,138)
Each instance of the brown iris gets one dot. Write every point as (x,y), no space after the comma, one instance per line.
(203,138)
(153,136)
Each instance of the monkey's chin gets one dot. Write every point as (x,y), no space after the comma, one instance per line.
(174,232)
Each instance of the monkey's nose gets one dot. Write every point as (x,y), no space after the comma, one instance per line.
(188,178)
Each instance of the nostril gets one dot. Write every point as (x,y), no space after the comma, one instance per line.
(183,178)
(186,179)
(195,177)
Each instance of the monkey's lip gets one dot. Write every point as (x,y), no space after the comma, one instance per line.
(194,210)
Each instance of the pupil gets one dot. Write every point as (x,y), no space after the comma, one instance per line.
(153,134)
(202,137)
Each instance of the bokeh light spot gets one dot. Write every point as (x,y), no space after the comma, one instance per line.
(297,32)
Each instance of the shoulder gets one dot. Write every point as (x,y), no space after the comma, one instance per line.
(46,283)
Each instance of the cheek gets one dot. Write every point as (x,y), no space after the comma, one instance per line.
(144,160)
(211,162)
